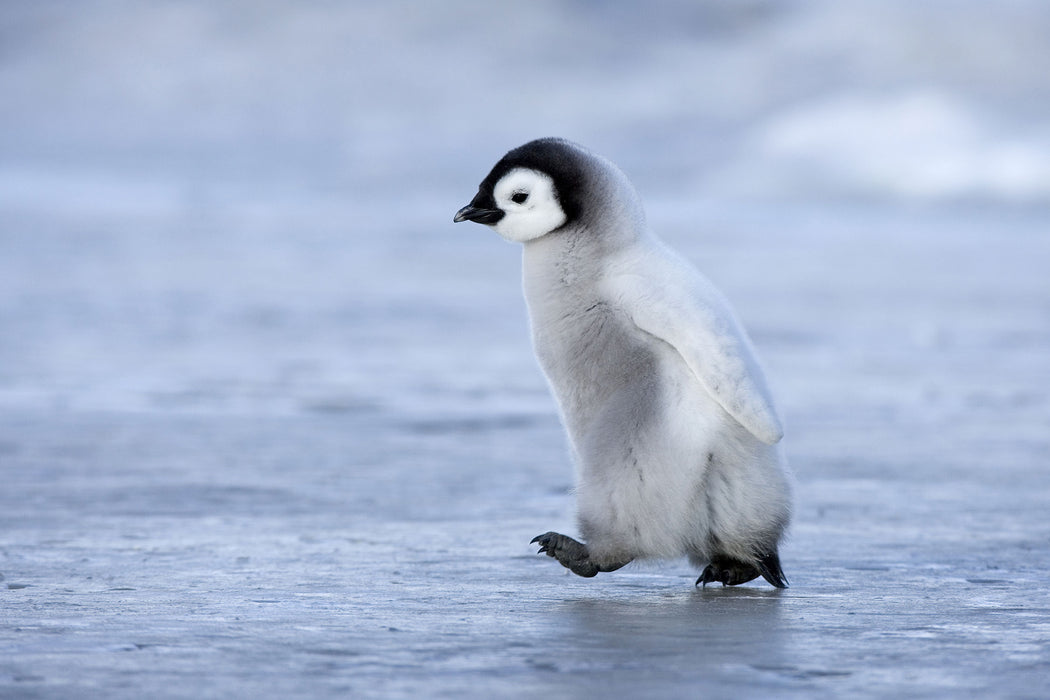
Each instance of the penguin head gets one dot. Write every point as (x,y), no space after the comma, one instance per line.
(533,190)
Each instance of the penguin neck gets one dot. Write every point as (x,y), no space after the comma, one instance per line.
(566,267)
(559,263)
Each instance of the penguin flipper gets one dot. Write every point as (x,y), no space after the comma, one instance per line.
(677,305)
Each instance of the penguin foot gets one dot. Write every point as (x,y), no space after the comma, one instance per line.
(571,554)
(732,572)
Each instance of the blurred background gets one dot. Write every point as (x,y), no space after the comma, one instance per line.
(245,207)
(271,425)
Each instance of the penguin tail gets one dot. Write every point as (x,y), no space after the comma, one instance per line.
(769,567)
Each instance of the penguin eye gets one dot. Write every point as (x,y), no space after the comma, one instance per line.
(519,197)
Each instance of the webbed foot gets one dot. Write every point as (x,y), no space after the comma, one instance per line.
(732,572)
(571,554)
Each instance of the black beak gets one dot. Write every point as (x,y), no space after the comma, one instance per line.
(478,214)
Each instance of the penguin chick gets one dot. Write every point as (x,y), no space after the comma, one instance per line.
(672,429)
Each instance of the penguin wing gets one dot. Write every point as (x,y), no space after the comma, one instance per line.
(681,308)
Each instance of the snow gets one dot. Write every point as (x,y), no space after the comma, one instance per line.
(270,424)
(918,145)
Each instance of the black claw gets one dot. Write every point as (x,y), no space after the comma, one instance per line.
(544,541)
(708,576)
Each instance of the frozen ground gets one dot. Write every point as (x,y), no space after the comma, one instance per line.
(270,424)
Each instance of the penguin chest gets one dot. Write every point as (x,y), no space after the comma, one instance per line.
(623,393)
(601,367)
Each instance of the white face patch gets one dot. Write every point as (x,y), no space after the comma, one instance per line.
(529,203)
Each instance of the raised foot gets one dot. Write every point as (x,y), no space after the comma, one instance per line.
(731,572)
(571,554)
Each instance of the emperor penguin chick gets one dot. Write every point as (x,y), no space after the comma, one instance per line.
(672,428)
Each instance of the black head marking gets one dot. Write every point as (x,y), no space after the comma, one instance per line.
(562,160)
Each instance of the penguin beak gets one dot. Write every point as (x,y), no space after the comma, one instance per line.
(478,214)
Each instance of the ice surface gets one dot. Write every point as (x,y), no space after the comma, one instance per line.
(270,424)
